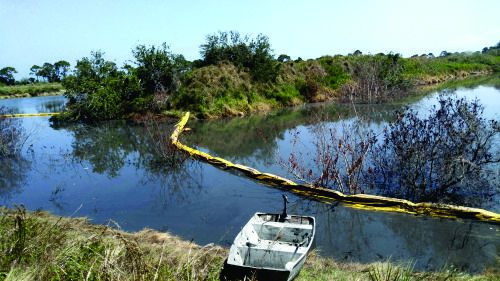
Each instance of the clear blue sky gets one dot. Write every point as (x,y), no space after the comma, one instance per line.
(38,31)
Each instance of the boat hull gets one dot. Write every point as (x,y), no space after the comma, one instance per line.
(270,248)
(234,272)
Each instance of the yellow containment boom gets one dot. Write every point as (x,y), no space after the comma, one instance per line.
(359,201)
(21,115)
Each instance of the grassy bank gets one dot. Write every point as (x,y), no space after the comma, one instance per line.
(40,246)
(31,90)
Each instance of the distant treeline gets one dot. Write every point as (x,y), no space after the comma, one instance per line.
(46,73)
(239,74)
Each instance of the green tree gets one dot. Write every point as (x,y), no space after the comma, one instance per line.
(7,75)
(61,69)
(98,90)
(243,52)
(47,72)
(444,54)
(284,58)
(35,70)
(158,69)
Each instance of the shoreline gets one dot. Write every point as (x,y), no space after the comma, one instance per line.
(73,247)
(419,91)
(422,86)
(29,95)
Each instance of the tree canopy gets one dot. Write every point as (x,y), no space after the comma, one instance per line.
(255,54)
(7,75)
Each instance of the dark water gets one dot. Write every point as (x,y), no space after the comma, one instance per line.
(107,173)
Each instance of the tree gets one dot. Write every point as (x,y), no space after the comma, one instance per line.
(7,75)
(357,53)
(284,58)
(243,52)
(90,74)
(442,157)
(376,78)
(98,90)
(61,69)
(158,69)
(35,70)
(47,72)
(444,54)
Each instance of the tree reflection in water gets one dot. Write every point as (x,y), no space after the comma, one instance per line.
(363,236)
(13,172)
(110,146)
(13,165)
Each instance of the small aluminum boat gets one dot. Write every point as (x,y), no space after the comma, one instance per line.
(270,247)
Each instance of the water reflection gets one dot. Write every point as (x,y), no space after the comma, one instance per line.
(35,104)
(51,105)
(110,147)
(430,243)
(13,172)
(257,136)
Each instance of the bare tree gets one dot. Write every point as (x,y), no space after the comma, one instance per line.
(340,156)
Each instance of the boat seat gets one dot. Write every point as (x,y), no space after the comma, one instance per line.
(283,232)
(266,245)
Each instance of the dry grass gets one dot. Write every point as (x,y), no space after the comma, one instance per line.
(40,246)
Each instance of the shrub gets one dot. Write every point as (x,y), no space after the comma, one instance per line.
(159,70)
(98,90)
(253,54)
(376,78)
(442,157)
(12,135)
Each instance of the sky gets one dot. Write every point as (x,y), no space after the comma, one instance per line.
(38,31)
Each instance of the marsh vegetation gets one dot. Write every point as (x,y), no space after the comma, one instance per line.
(238,74)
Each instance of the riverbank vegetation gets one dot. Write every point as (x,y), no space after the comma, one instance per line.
(31,90)
(44,80)
(238,74)
(40,246)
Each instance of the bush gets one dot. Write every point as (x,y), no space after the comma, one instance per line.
(376,78)
(204,88)
(98,90)
(253,54)
(159,71)
(12,135)
(449,156)
(441,158)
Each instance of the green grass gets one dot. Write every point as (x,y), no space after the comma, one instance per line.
(31,90)
(40,246)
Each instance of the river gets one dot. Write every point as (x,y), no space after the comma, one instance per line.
(106,173)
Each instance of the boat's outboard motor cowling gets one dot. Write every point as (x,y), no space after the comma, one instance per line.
(284,216)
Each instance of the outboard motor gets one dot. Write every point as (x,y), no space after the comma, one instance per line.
(284,215)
